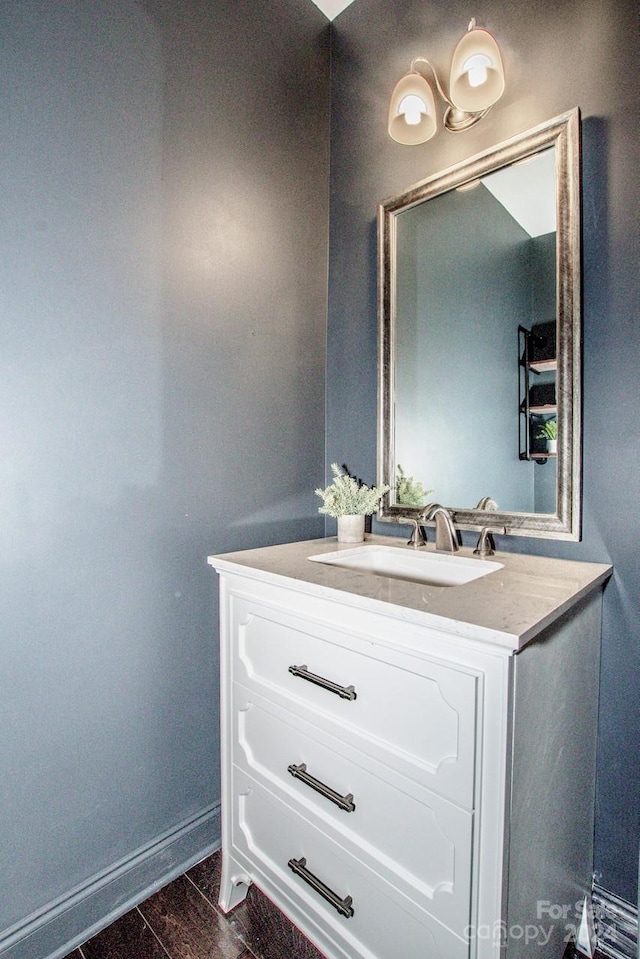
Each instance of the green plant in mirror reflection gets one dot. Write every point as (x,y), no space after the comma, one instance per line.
(548,430)
(410,492)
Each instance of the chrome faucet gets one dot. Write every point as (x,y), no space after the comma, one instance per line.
(446,536)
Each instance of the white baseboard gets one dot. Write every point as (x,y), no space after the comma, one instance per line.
(616,925)
(59,927)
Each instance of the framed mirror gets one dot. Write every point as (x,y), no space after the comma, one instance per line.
(480,338)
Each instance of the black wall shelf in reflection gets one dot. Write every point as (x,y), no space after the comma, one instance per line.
(537,387)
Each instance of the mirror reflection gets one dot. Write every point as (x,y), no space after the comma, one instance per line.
(475,265)
(480,338)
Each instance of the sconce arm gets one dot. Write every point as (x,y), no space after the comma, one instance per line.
(416,69)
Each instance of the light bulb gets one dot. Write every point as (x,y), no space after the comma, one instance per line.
(476,68)
(477,75)
(412,108)
(412,111)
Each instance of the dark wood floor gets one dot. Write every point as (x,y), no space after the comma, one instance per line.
(570,953)
(183,921)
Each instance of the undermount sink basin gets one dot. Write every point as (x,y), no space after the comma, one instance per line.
(433,569)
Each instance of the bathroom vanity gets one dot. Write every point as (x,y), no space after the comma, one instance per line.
(408,768)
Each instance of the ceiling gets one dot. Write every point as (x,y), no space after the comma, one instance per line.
(527,190)
(331,8)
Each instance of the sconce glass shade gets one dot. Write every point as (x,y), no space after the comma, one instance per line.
(412,111)
(477,73)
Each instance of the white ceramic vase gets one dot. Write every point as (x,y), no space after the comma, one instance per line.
(351,529)
(552,446)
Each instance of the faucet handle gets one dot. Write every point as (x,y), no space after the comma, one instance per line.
(417,538)
(486,545)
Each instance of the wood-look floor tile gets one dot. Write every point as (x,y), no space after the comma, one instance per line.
(126,938)
(571,953)
(206,876)
(267,932)
(188,926)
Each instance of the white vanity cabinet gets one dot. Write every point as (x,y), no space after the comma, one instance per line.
(399,783)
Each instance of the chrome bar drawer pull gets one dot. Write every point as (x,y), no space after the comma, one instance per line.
(344,692)
(344,907)
(300,772)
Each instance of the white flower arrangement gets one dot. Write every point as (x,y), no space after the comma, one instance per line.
(347,497)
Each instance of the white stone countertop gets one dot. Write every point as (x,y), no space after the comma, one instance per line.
(507,607)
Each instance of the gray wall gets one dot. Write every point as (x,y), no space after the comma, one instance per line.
(164,207)
(557,56)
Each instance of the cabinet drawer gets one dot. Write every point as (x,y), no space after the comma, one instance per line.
(419,711)
(270,835)
(418,838)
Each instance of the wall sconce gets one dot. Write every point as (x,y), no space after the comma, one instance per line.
(476,82)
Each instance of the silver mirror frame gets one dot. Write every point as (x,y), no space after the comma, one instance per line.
(563,133)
